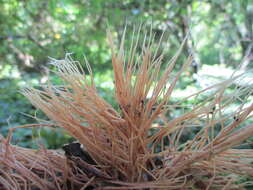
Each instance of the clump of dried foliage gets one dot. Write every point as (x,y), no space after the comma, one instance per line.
(135,146)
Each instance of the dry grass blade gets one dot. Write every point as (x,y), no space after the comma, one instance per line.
(128,145)
(25,168)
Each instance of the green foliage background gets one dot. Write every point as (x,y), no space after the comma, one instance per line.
(33,30)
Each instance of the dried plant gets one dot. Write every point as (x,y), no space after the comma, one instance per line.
(128,145)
